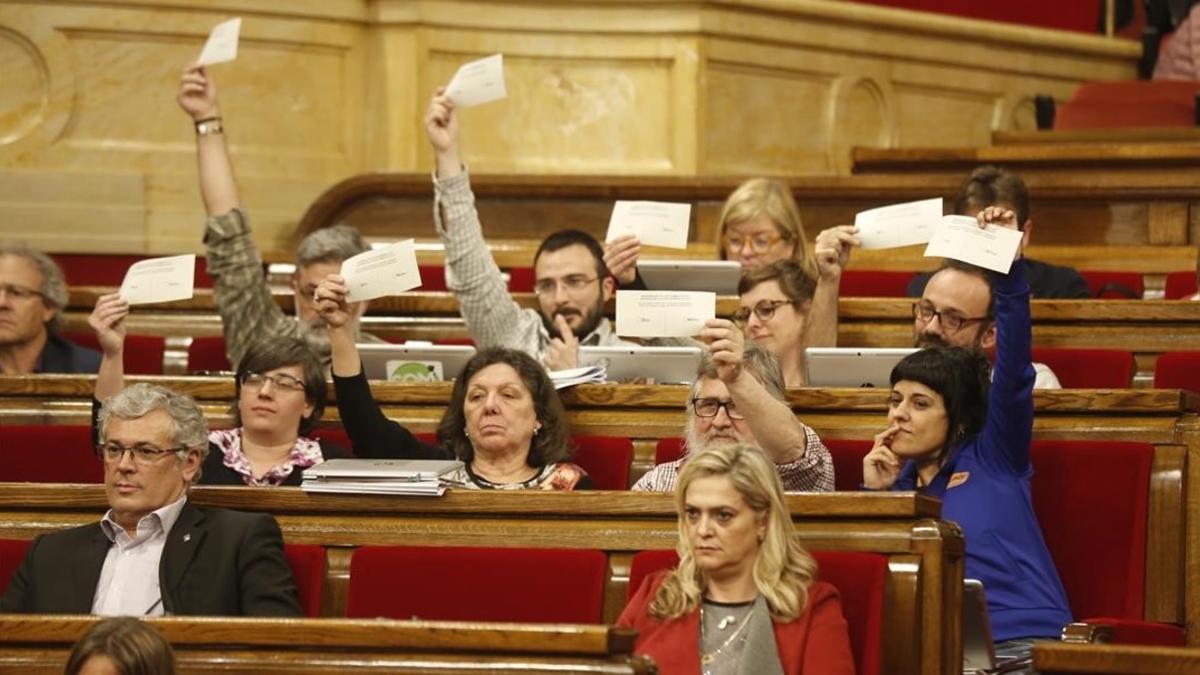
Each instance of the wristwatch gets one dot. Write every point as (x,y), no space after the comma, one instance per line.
(209,126)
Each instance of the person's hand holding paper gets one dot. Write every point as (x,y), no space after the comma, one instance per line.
(222,43)
(159,280)
(478,82)
(664,313)
(653,223)
(990,241)
(390,270)
(899,224)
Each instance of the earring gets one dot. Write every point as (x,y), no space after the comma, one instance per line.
(466,434)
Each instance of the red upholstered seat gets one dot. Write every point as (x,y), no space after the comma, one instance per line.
(1089,368)
(335,435)
(1178,370)
(143,353)
(668,449)
(606,459)
(455,341)
(1092,501)
(433,277)
(847,462)
(1114,285)
(208,354)
(308,568)
(477,584)
(874,284)
(1129,104)
(861,581)
(107,269)
(521,280)
(1180,285)
(12,552)
(49,453)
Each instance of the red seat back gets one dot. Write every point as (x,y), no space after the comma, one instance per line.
(335,435)
(208,354)
(606,459)
(1115,285)
(12,553)
(433,277)
(861,581)
(874,284)
(308,569)
(668,449)
(521,280)
(49,453)
(1177,370)
(1089,368)
(1180,285)
(1129,104)
(108,269)
(524,585)
(847,462)
(143,353)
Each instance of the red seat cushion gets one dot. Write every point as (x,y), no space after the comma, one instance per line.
(606,459)
(668,449)
(847,462)
(1180,285)
(207,354)
(308,569)
(335,435)
(478,584)
(1177,370)
(1089,368)
(433,277)
(49,453)
(1129,104)
(1114,285)
(874,284)
(143,353)
(521,280)
(108,269)
(12,553)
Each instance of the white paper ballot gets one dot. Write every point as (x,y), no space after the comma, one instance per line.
(654,223)
(159,280)
(960,238)
(222,43)
(478,82)
(664,313)
(390,270)
(899,224)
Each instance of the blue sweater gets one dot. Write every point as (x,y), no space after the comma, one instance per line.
(990,498)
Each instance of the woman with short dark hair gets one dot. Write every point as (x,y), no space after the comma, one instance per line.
(124,646)
(280,395)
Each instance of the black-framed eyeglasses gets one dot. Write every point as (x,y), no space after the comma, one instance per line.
(764,310)
(709,407)
(950,320)
(17,292)
(252,380)
(573,284)
(143,453)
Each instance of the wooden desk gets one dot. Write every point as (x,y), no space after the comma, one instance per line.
(924,586)
(33,645)
(1054,658)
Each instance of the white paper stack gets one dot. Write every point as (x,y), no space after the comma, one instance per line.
(417,477)
(593,374)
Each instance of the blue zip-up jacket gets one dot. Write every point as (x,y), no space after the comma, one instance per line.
(990,497)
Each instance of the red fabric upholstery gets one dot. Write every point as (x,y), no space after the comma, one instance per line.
(1114,284)
(1180,285)
(208,354)
(308,568)
(861,580)
(668,449)
(874,284)
(478,584)
(847,462)
(455,341)
(106,269)
(1177,370)
(336,435)
(12,553)
(1129,104)
(606,459)
(521,280)
(433,277)
(49,453)
(1075,15)
(1089,368)
(143,353)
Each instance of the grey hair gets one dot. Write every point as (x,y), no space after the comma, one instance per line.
(189,428)
(54,285)
(760,363)
(330,244)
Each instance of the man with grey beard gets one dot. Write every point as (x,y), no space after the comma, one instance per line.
(243,297)
(738,397)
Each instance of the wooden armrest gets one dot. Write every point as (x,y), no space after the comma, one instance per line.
(1087,633)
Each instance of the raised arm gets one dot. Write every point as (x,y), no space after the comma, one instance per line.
(198,98)
(832,253)
(108,321)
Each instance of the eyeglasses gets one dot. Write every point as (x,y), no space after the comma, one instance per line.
(759,243)
(764,310)
(280,380)
(143,453)
(16,292)
(573,284)
(709,407)
(950,319)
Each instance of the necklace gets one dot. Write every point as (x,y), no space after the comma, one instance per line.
(706,658)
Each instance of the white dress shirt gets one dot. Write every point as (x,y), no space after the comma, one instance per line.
(129,579)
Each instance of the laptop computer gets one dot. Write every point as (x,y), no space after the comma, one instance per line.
(979,652)
(381,469)
(852,367)
(660,365)
(717,276)
(414,363)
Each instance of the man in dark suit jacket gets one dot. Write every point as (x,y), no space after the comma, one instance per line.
(209,561)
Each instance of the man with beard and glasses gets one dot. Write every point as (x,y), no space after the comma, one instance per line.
(243,297)
(572,282)
(738,397)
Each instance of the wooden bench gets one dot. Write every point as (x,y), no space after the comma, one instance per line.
(36,645)
(922,597)
(1054,658)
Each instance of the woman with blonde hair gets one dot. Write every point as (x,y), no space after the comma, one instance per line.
(744,598)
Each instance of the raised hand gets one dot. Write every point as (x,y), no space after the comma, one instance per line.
(330,299)
(197,94)
(564,349)
(621,256)
(441,123)
(881,466)
(108,320)
(726,347)
(1003,217)
(832,250)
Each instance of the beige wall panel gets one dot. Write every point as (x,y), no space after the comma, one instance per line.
(936,116)
(73,211)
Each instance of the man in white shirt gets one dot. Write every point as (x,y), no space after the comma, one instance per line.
(154,553)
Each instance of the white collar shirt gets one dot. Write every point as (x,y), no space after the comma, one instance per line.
(129,579)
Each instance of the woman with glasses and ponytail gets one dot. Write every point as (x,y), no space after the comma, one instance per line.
(279,398)
(775,303)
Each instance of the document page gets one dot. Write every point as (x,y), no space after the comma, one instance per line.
(664,313)
(159,280)
(222,43)
(478,82)
(960,238)
(390,270)
(899,224)
(654,223)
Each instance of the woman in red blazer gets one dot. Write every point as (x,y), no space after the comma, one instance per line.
(744,598)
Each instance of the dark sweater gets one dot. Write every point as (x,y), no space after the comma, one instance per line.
(1045,281)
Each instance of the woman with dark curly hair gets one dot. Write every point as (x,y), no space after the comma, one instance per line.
(505,421)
